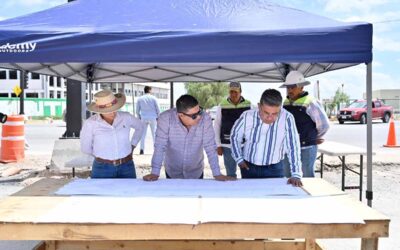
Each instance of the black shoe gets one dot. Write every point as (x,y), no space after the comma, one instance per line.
(141,152)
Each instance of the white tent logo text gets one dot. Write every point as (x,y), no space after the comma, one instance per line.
(18,47)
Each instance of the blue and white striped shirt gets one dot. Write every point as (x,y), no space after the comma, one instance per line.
(266,144)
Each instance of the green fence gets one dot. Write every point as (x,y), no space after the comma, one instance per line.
(34,107)
(42,107)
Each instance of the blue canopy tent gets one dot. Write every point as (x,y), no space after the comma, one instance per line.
(184,40)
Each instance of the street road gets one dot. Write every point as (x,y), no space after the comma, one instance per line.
(41,137)
(356,134)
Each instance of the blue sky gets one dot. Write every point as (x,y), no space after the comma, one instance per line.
(384,14)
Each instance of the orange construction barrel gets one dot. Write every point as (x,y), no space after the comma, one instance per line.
(12,139)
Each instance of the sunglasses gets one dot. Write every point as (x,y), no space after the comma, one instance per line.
(195,115)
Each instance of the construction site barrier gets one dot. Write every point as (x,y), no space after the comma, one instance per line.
(13,139)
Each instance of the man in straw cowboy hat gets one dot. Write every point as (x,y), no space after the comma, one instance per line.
(105,135)
(311,120)
(183,133)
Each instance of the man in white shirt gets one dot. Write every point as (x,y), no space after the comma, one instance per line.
(147,109)
(105,136)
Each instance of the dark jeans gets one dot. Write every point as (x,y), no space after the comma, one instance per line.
(106,170)
(169,177)
(268,171)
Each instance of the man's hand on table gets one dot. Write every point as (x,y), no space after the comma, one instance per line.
(243,164)
(150,177)
(224,178)
(295,181)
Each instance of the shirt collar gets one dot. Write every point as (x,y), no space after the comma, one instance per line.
(230,101)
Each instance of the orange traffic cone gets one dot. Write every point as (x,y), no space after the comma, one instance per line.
(391,140)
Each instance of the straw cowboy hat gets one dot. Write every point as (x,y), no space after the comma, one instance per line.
(295,78)
(106,102)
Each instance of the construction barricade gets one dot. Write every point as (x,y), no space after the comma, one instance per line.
(13,139)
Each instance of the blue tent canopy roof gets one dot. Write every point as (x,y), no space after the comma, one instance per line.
(161,33)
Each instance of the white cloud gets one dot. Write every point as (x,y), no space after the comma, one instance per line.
(386,44)
(350,6)
(2,18)
(386,35)
(33,3)
(354,81)
(376,64)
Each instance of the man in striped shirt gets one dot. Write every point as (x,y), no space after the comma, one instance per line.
(261,137)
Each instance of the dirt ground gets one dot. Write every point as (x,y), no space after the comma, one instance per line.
(386,186)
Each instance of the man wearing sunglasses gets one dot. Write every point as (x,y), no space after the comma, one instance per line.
(268,133)
(182,135)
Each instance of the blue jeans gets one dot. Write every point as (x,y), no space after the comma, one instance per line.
(106,170)
(229,162)
(308,157)
(268,171)
(153,125)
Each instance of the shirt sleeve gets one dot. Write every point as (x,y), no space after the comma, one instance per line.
(160,143)
(293,149)
(86,137)
(210,146)
(318,115)
(157,106)
(138,126)
(217,126)
(237,135)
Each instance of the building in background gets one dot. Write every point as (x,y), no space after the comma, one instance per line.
(389,97)
(46,95)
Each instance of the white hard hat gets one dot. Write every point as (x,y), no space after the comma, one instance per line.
(295,78)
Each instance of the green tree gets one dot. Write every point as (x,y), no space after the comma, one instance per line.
(340,97)
(208,94)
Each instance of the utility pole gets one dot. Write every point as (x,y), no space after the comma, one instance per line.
(23,84)
(75,107)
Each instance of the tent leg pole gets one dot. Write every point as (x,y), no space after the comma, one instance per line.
(369,193)
(171,86)
(76,101)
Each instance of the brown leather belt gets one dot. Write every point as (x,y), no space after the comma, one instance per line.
(115,162)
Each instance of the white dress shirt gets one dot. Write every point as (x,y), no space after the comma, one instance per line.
(110,142)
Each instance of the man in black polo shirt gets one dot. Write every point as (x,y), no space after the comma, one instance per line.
(228,112)
(311,120)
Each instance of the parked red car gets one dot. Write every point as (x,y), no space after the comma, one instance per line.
(357,111)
